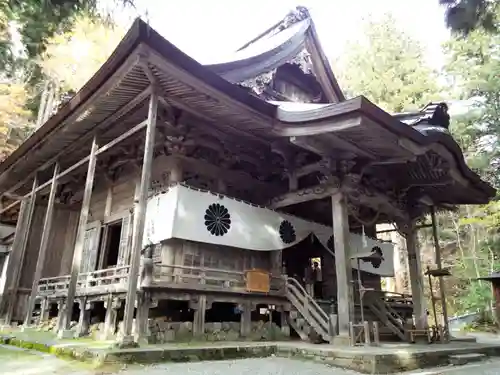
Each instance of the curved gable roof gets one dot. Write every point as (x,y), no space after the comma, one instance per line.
(141,33)
(276,46)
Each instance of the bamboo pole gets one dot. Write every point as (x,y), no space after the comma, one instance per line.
(44,244)
(80,238)
(139,219)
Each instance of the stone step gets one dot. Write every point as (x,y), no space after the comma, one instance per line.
(462,359)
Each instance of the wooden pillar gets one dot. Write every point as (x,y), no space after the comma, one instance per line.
(341,235)
(285,328)
(80,238)
(44,244)
(415,268)
(107,213)
(13,260)
(44,313)
(200,306)
(139,220)
(144,303)
(246,319)
(437,255)
(23,234)
(176,173)
(172,247)
(61,316)
(112,305)
(495,284)
(84,318)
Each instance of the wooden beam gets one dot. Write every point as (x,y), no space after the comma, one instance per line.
(210,170)
(304,195)
(81,162)
(328,145)
(87,137)
(171,102)
(44,244)
(310,168)
(140,219)
(357,193)
(80,237)
(205,89)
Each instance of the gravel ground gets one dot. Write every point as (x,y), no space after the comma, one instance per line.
(15,361)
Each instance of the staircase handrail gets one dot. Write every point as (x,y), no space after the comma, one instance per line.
(388,312)
(308,307)
(311,300)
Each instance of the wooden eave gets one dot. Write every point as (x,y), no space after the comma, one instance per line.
(306,36)
(358,128)
(252,66)
(323,71)
(123,79)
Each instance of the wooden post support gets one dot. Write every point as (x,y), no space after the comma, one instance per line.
(139,220)
(80,237)
(44,244)
(13,259)
(437,254)
(415,269)
(343,267)
(23,243)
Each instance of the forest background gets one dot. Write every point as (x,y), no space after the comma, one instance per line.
(41,67)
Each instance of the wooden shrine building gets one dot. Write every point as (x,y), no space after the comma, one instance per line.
(167,191)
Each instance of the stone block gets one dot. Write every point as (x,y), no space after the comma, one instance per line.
(209,327)
(169,335)
(462,359)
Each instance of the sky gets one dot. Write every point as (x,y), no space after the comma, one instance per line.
(205,29)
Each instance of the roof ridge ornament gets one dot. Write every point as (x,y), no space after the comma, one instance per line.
(300,13)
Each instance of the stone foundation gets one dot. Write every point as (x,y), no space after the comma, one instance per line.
(51,325)
(163,331)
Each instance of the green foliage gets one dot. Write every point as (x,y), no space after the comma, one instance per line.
(473,67)
(485,323)
(64,42)
(388,67)
(464,16)
(72,57)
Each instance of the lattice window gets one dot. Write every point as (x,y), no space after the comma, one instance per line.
(192,258)
(157,251)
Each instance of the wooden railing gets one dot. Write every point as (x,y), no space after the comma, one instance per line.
(174,276)
(209,277)
(87,282)
(308,308)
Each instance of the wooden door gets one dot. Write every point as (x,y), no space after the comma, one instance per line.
(90,248)
(125,241)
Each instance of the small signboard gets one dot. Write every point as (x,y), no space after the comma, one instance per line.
(257,281)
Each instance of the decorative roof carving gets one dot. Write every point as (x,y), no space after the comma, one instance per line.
(297,15)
